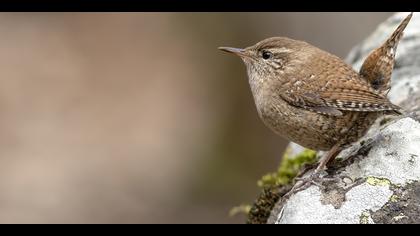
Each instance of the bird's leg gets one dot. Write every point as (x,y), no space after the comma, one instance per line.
(331,155)
(305,182)
(305,168)
(323,162)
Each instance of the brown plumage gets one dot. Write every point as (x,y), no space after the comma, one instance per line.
(377,68)
(314,98)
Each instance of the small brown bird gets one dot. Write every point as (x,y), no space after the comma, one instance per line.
(314,98)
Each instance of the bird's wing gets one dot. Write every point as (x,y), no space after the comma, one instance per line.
(335,94)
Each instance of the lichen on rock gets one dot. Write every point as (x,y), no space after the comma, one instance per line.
(365,218)
(402,208)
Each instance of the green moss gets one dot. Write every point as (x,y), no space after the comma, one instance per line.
(288,169)
(274,184)
(244,209)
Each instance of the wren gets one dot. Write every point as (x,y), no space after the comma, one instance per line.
(314,98)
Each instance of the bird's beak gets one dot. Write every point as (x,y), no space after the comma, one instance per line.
(237,51)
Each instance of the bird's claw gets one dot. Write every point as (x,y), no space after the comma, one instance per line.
(303,183)
(304,170)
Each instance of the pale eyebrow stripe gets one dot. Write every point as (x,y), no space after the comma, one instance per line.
(280,50)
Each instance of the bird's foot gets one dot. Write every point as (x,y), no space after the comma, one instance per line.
(304,170)
(302,183)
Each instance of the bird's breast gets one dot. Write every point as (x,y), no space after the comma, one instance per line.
(313,130)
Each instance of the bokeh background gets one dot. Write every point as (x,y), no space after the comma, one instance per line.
(137,117)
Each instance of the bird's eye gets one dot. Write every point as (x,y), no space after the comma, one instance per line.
(266,55)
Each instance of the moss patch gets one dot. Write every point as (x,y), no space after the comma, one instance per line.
(244,208)
(276,184)
(288,169)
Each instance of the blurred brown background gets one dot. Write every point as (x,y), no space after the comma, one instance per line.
(137,117)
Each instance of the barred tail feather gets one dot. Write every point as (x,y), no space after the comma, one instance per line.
(378,66)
